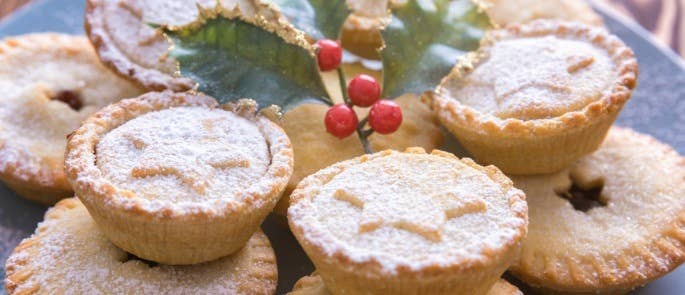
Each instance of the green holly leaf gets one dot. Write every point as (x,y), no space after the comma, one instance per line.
(233,57)
(424,40)
(318,18)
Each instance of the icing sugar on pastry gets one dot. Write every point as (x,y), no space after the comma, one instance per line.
(409,223)
(169,160)
(634,236)
(394,210)
(538,96)
(313,285)
(125,42)
(184,154)
(69,254)
(386,208)
(506,12)
(50,83)
(537,77)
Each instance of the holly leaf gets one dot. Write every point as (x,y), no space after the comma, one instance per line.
(318,18)
(233,57)
(424,40)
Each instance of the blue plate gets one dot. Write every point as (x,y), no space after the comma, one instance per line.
(657,108)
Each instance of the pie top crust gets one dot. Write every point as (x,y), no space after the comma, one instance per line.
(125,42)
(540,77)
(69,254)
(314,285)
(36,72)
(170,153)
(408,212)
(505,12)
(636,237)
(184,154)
(535,78)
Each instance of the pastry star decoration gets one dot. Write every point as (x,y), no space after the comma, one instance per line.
(550,77)
(418,214)
(160,159)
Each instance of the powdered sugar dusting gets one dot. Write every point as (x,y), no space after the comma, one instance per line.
(642,186)
(72,256)
(537,77)
(121,32)
(33,126)
(186,154)
(404,196)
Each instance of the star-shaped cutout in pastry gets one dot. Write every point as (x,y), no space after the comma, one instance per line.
(160,159)
(422,215)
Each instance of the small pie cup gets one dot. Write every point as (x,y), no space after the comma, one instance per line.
(69,254)
(409,223)
(177,179)
(611,222)
(538,96)
(50,83)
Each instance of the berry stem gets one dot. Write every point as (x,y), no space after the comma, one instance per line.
(362,134)
(343,86)
(364,138)
(363,122)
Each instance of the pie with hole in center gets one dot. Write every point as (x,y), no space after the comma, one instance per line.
(50,83)
(177,179)
(539,96)
(69,254)
(629,230)
(409,223)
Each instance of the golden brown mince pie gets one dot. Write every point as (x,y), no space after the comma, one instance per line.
(409,223)
(177,179)
(613,221)
(540,96)
(50,83)
(69,254)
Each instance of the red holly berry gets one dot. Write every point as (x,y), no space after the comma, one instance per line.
(341,121)
(364,90)
(329,54)
(385,117)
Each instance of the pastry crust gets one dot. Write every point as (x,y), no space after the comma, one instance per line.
(69,254)
(151,45)
(507,12)
(313,285)
(174,232)
(34,121)
(636,237)
(361,32)
(542,145)
(353,269)
(125,42)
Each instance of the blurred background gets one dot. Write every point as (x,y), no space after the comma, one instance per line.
(664,18)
